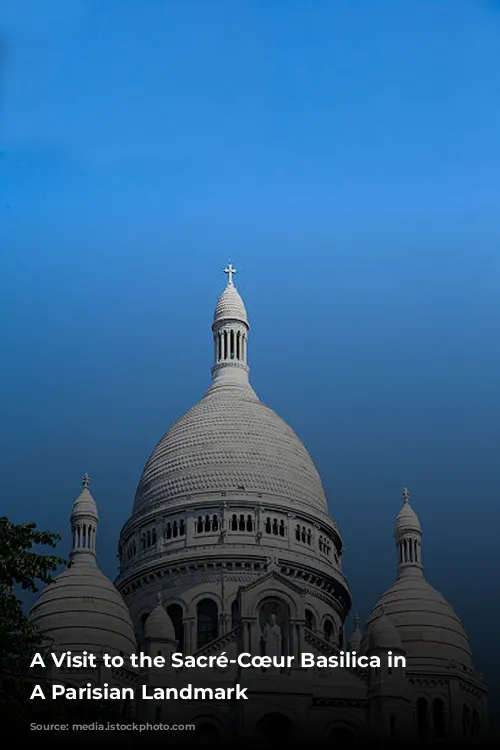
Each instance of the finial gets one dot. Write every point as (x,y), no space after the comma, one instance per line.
(86,481)
(356,622)
(159,596)
(406,496)
(230,270)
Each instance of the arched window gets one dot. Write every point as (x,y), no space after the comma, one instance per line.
(422,726)
(174,611)
(476,723)
(297,533)
(310,622)
(466,723)
(235,613)
(207,622)
(175,530)
(215,523)
(182,527)
(249,523)
(234,522)
(438,720)
(328,630)
(282,528)
(199,525)
(144,617)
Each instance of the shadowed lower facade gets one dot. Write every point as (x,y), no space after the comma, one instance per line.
(230,548)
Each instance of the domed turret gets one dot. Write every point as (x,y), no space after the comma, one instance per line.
(81,609)
(430,631)
(230,440)
(355,639)
(159,626)
(230,306)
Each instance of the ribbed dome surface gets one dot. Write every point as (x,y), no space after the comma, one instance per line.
(82,610)
(407,520)
(230,306)
(429,629)
(226,442)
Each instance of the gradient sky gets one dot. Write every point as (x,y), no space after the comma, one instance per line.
(346,157)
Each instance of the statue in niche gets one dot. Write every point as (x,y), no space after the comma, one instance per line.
(273,640)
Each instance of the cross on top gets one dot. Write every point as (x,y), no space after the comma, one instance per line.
(230,270)
(86,481)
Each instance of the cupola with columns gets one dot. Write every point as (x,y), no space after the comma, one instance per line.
(84,520)
(230,331)
(408,534)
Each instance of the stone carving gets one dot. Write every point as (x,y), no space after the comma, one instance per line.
(273,640)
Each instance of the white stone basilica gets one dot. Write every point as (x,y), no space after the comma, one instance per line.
(230,548)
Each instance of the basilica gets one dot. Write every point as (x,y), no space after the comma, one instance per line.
(230,550)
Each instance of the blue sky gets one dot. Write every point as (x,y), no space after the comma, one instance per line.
(346,157)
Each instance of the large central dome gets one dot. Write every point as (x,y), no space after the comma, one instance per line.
(230,441)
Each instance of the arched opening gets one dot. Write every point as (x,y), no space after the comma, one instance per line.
(275,729)
(422,726)
(476,723)
(342,735)
(144,617)
(310,620)
(466,721)
(207,622)
(274,622)
(205,730)
(235,613)
(174,611)
(438,719)
(328,630)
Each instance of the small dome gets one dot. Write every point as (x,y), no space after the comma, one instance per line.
(383,635)
(230,306)
(159,626)
(82,610)
(430,631)
(85,505)
(355,639)
(407,519)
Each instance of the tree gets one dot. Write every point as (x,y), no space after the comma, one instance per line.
(21,566)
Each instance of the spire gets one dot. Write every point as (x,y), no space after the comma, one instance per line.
(84,520)
(230,331)
(408,535)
